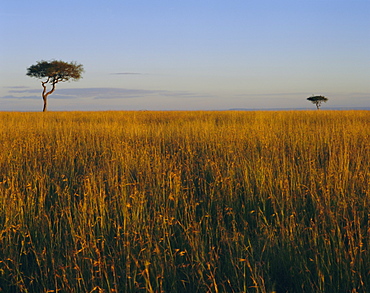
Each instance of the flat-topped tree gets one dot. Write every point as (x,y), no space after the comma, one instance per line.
(54,72)
(317,100)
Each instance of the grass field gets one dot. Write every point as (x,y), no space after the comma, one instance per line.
(185,201)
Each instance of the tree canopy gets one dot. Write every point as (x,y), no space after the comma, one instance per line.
(317,100)
(54,71)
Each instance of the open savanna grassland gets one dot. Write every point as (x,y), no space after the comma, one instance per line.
(185,201)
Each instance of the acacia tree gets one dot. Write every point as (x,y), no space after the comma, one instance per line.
(317,100)
(54,72)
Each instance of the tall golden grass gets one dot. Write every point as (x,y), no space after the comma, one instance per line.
(185,201)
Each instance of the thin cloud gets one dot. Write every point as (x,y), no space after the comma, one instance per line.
(330,95)
(123,93)
(126,73)
(87,92)
(30,91)
(103,93)
(11,97)
(16,87)
(271,94)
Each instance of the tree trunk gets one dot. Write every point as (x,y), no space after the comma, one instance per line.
(45,94)
(45,104)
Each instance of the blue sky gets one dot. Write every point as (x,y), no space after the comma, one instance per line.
(188,54)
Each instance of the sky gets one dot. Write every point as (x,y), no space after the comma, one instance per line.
(187,54)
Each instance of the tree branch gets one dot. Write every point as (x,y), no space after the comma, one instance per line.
(45,94)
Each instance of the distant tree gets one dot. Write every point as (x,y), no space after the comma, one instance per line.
(317,100)
(54,72)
